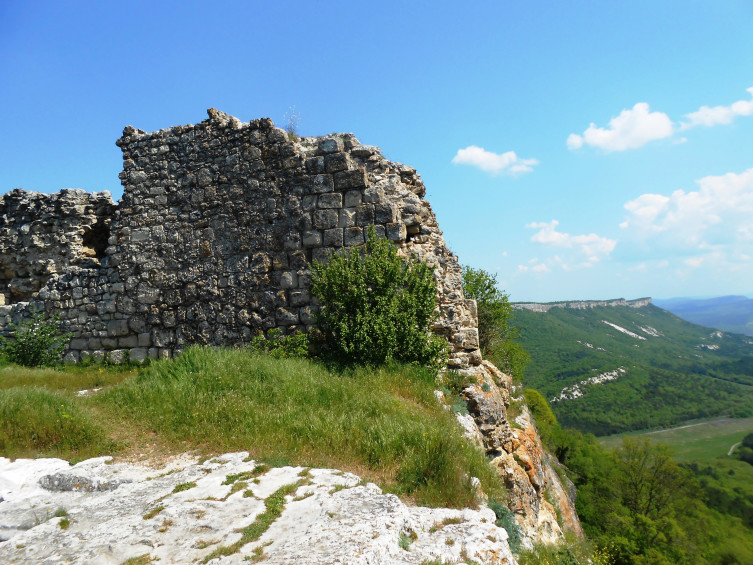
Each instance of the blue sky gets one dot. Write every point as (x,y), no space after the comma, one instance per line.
(577,149)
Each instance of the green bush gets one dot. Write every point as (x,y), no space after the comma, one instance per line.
(377,307)
(36,342)
(281,346)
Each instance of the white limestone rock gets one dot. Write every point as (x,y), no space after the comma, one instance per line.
(330,517)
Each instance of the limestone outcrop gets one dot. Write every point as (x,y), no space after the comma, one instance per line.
(543,507)
(187,511)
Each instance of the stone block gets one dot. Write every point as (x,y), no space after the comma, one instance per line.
(333,237)
(144,339)
(312,238)
(330,200)
(315,165)
(307,315)
(117,328)
(351,179)
(322,184)
(336,162)
(353,236)
(396,232)
(128,341)
(78,344)
(138,355)
(325,219)
(365,215)
(385,213)
(299,297)
(286,317)
(347,218)
(118,356)
(288,280)
(330,145)
(373,195)
(352,198)
(71,357)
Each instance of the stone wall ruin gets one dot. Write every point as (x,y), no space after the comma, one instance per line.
(213,240)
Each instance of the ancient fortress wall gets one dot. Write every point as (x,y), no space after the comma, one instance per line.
(213,240)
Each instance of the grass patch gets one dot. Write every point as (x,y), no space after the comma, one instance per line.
(69,378)
(37,422)
(153,512)
(293,409)
(275,504)
(183,486)
(694,441)
(383,424)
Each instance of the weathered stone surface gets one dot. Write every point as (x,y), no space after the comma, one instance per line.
(518,456)
(330,517)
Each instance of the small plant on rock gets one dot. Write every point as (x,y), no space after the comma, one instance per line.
(36,342)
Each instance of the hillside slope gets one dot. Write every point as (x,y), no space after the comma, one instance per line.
(727,313)
(611,369)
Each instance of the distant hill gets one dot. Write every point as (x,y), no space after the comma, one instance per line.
(609,369)
(728,313)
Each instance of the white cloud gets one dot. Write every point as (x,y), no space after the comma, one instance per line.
(706,116)
(631,129)
(493,162)
(718,213)
(592,246)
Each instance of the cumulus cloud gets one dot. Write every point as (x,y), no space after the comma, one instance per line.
(494,163)
(592,246)
(633,128)
(717,214)
(706,116)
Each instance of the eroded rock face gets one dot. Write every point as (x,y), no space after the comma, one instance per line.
(518,456)
(186,511)
(42,235)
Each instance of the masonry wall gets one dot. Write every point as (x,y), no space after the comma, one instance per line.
(213,240)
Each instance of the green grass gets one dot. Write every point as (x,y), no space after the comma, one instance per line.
(69,378)
(384,424)
(38,422)
(695,441)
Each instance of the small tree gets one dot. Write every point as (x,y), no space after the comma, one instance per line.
(495,329)
(377,307)
(36,342)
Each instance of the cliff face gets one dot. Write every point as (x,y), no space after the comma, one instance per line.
(580,304)
(542,505)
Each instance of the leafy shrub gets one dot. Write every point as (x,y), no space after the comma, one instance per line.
(36,342)
(281,346)
(377,307)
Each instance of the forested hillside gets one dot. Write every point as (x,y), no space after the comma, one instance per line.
(611,369)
